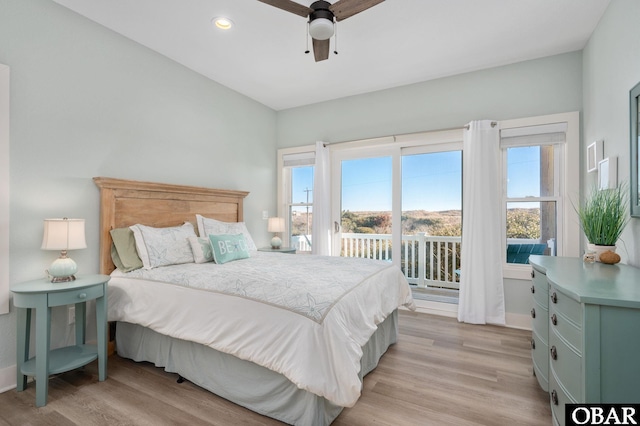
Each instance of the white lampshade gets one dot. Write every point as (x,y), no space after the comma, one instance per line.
(63,234)
(276,224)
(321,29)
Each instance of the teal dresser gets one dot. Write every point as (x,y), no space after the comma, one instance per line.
(591,332)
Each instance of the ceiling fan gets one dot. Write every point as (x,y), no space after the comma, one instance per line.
(322,16)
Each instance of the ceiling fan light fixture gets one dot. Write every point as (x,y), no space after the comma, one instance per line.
(321,29)
(222,22)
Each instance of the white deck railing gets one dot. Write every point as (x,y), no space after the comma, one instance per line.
(427,261)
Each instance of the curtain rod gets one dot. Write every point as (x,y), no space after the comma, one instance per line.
(493,124)
(326,144)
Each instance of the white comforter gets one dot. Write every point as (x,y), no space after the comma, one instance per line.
(306,317)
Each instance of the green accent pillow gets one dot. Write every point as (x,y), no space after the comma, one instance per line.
(125,247)
(115,258)
(228,247)
(201,248)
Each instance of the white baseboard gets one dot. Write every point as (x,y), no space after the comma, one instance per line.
(436,308)
(519,321)
(8,378)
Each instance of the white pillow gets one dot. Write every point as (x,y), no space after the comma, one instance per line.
(163,246)
(201,248)
(207,226)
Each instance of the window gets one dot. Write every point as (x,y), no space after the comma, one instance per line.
(296,204)
(532,201)
(538,182)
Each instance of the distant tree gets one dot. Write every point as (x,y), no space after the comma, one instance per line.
(523,223)
(364,230)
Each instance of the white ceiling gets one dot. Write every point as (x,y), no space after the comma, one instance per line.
(395,43)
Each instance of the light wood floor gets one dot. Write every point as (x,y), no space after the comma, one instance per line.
(439,373)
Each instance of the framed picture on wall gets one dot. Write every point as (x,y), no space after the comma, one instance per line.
(608,173)
(595,154)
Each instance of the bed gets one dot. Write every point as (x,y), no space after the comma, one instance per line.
(245,329)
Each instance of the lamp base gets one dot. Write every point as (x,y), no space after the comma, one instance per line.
(276,242)
(63,279)
(62,270)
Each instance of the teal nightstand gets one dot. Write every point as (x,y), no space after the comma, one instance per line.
(290,250)
(42,295)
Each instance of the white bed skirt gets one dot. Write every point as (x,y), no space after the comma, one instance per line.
(243,382)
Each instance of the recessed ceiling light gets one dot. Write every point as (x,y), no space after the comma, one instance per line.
(222,22)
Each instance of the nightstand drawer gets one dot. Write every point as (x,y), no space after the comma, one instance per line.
(566,365)
(562,303)
(75,296)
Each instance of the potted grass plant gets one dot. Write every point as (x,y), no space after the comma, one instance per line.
(603,217)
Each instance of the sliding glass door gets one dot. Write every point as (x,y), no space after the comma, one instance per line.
(403,205)
(366,199)
(432,219)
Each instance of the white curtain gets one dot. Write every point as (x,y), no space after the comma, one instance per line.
(481,298)
(321,230)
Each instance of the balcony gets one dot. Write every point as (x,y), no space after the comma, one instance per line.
(428,262)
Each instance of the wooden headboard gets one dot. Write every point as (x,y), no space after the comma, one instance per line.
(127,202)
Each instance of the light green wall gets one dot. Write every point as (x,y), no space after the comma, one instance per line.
(611,69)
(543,86)
(87,102)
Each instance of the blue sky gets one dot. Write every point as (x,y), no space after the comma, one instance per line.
(429,181)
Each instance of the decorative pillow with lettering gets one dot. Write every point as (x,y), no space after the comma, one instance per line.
(201,248)
(207,226)
(163,246)
(228,247)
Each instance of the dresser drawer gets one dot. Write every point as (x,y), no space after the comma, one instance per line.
(540,358)
(540,321)
(569,307)
(540,288)
(566,365)
(567,329)
(559,399)
(75,296)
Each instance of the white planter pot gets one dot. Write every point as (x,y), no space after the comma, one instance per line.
(597,250)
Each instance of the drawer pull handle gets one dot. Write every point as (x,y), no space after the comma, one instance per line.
(554,319)
(533,344)
(82,296)
(533,289)
(533,274)
(554,353)
(554,397)
(554,297)
(533,312)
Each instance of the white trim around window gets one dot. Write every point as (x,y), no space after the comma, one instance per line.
(4,189)
(569,183)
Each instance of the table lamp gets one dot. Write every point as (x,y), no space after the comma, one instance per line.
(63,234)
(276,224)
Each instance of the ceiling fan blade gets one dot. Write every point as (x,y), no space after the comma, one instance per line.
(290,6)
(320,49)
(343,9)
